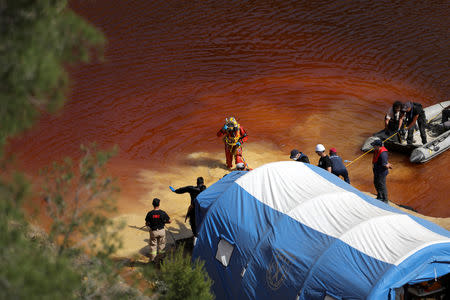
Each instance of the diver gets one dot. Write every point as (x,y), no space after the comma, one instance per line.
(234,136)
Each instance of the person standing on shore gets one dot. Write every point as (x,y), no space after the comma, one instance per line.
(155,220)
(299,156)
(337,166)
(324,160)
(234,136)
(193,192)
(381,168)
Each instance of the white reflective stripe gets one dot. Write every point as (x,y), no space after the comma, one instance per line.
(296,190)
(243,271)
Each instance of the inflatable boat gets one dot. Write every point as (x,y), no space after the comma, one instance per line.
(437,132)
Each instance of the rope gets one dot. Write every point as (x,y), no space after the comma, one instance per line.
(435,116)
(369,151)
(386,140)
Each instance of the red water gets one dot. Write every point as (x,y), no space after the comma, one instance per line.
(294,73)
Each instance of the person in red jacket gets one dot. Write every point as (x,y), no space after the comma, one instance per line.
(234,135)
(381,168)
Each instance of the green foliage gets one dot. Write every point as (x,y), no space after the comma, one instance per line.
(78,202)
(101,280)
(34,265)
(182,279)
(28,270)
(37,39)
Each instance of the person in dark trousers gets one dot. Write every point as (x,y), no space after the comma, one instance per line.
(413,112)
(324,161)
(381,168)
(299,156)
(446,117)
(155,220)
(337,165)
(393,121)
(193,192)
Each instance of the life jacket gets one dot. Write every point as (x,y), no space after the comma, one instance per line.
(376,154)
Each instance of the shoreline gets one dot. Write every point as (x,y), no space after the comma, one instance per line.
(211,167)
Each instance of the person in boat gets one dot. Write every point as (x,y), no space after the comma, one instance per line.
(414,113)
(380,169)
(446,117)
(234,136)
(324,160)
(193,191)
(393,120)
(299,156)
(337,165)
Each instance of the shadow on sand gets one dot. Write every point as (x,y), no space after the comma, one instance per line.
(205,162)
(142,228)
(175,236)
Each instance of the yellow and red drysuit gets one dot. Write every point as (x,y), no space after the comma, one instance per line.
(234,136)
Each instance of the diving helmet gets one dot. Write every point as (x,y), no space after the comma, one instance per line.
(231,123)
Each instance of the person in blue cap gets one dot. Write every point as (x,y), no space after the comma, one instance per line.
(299,156)
(381,168)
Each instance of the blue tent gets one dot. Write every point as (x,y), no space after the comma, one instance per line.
(289,230)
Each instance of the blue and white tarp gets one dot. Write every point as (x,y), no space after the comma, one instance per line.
(289,230)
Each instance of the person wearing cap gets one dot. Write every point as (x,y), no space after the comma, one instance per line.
(413,113)
(324,160)
(193,191)
(234,135)
(337,166)
(155,220)
(381,168)
(393,120)
(299,156)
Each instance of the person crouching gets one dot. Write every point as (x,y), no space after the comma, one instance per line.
(337,166)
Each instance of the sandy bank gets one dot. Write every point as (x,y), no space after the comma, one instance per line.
(211,167)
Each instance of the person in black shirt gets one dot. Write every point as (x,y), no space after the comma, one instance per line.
(414,112)
(446,117)
(324,161)
(299,156)
(155,220)
(193,192)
